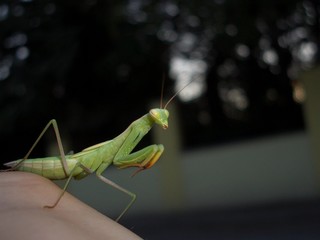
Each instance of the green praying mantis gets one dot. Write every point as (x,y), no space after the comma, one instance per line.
(97,158)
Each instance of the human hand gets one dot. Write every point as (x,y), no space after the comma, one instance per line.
(22,215)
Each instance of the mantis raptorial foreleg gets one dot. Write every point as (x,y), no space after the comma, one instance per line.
(143,158)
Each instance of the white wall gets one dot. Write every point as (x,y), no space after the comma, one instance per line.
(270,169)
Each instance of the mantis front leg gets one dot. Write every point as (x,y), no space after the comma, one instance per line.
(144,158)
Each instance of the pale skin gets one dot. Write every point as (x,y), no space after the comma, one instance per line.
(22,216)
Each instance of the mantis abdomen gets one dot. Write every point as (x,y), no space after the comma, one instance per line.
(49,167)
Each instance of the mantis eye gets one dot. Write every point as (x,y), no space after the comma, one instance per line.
(154,114)
(166,112)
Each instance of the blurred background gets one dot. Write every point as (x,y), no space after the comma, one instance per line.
(242,151)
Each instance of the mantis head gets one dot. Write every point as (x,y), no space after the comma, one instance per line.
(160,116)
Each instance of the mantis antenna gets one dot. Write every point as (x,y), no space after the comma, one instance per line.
(173,97)
(162,88)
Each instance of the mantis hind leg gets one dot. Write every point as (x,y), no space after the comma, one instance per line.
(54,124)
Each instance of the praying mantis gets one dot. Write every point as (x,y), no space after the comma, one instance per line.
(99,157)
